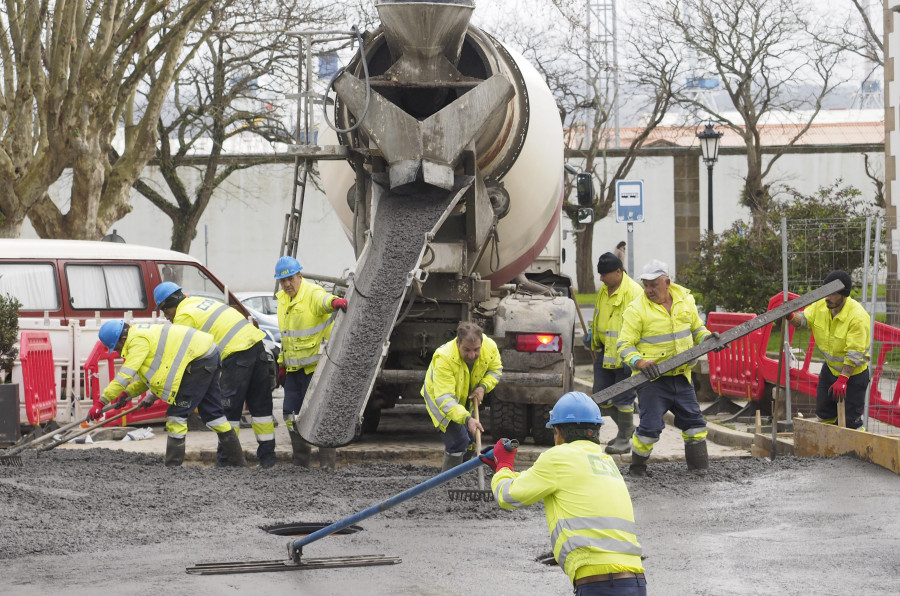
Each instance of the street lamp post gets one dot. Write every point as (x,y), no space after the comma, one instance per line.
(709,148)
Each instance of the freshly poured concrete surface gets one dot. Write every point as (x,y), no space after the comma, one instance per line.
(102,521)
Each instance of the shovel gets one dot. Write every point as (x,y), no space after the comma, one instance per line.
(470,494)
(11,458)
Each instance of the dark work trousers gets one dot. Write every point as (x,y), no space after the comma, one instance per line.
(295,385)
(456,438)
(854,403)
(668,393)
(629,586)
(199,389)
(245,379)
(607,377)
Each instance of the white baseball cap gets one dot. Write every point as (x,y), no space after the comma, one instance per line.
(654,269)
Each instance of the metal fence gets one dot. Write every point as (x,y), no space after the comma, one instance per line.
(867,249)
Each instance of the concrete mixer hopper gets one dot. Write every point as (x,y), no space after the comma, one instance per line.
(451,194)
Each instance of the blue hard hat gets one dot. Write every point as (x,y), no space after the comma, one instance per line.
(575,407)
(286,267)
(163,291)
(109,334)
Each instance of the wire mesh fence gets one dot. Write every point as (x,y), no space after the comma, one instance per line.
(867,249)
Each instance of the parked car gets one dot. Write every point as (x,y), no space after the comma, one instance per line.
(264,308)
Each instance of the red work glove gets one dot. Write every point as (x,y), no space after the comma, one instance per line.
(339,303)
(839,388)
(502,458)
(282,373)
(94,413)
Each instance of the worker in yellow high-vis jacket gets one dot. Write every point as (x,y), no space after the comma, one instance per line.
(245,362)
(588,508)
(306,314)
(461,372)
(841,327)
(659,324)
(179,365)
(616,293)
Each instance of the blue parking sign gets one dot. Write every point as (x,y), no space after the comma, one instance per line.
(629,201)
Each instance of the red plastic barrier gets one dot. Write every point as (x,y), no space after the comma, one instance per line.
(735,370)
(36,355)
(154,413)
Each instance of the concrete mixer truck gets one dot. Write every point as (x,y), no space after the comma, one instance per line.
(451,194)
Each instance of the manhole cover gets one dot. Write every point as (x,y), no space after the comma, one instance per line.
(546,559)
(305,528)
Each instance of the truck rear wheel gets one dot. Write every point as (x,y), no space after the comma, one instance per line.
(540,415)
(509,420)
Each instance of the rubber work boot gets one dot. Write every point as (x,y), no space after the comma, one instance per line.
(265,453)
(327,457)
(451,460)
(622,442)
(638,465)
(233,450)
(174,452)
(696,456)
(301,450)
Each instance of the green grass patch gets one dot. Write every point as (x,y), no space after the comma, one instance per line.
(586,299)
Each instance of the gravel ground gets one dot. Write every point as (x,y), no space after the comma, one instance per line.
(104,521)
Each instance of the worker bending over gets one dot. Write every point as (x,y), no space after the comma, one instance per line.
(841,327)
(661,323)
(245,362)
(306,314)
(461,372)
(179,365)
(616,293)
(587,504)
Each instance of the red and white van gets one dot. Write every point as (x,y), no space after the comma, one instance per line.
(69,288)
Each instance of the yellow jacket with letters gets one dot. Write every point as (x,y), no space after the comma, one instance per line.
(588,508)
(844,339)
(304,321)
(230,330)
(448,381)
(608,318)
(652,333)
(156,356)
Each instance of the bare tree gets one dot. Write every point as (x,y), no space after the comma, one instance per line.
(234,89)
(579,75)
(70,70)
(772,57)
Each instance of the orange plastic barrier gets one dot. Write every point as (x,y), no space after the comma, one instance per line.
(155,412)
(735,370)
(36,355)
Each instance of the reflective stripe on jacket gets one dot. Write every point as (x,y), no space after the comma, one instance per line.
(448,382)
(650,332)
(304,320)
(588,508)
(608,318)
(230,330)
(157,356)
(844,339)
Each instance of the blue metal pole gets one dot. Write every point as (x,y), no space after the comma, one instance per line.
(295,547)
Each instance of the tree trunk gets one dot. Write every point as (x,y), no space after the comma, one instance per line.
(584,260)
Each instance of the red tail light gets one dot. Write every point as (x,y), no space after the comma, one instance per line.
(538,342)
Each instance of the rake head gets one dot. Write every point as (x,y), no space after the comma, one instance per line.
(11,460)
(470,495)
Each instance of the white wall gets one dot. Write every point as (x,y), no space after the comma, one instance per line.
(246,216)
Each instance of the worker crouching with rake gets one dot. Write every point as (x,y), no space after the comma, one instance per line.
(461,372)
(588,507)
